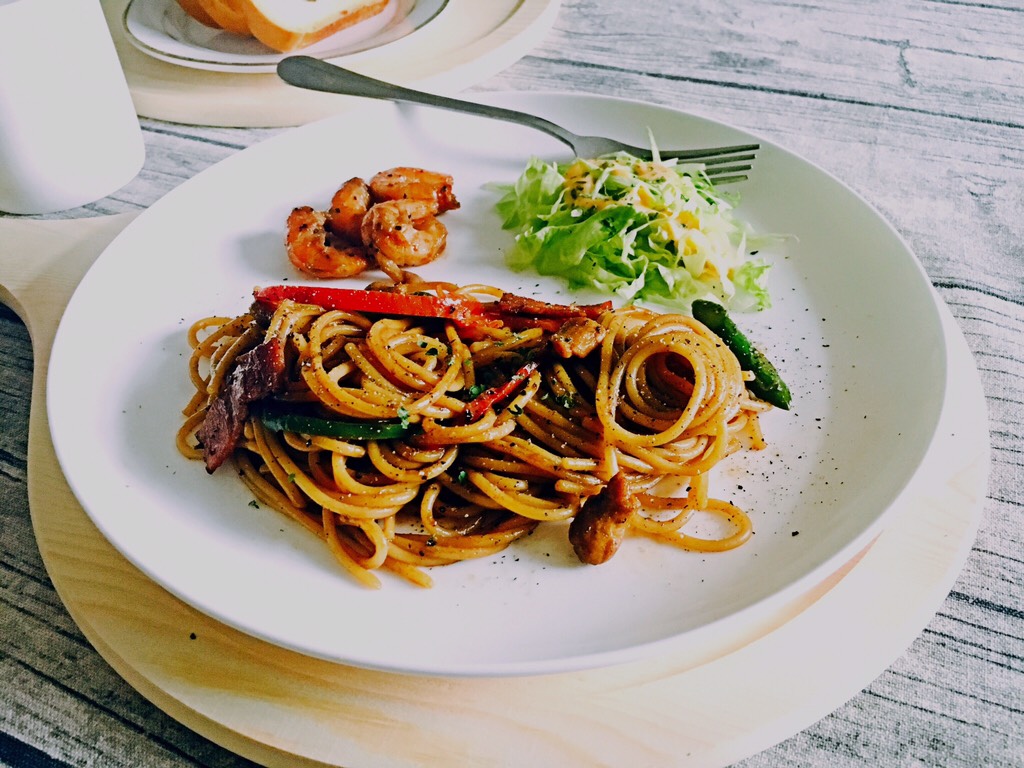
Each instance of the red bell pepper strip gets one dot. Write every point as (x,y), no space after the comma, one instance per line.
(479,404)
(517,312)
(461,311)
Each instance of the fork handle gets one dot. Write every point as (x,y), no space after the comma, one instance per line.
(316,75)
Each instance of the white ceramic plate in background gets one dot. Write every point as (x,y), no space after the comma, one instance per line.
(855,331)
(161,29)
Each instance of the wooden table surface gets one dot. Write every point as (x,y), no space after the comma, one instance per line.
(918,105)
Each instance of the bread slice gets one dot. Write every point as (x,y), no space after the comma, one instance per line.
(286,25)
(227,14)
(194,8)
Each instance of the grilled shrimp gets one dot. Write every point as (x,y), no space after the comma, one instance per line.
(348,206)
(312,250)
(403,233)
(405,183)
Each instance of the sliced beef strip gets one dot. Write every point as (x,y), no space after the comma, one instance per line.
(257,374)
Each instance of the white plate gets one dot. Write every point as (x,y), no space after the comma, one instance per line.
(161,29)
(854,329)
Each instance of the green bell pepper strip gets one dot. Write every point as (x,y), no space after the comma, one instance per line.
(767,383)
(282,420)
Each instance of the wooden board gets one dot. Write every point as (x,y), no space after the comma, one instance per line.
(467,43)
(709,704)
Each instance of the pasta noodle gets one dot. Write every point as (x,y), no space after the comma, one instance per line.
(657,403)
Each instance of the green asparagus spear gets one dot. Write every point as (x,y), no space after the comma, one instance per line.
(767,384)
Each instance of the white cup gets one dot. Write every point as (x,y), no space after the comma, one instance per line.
(69,134)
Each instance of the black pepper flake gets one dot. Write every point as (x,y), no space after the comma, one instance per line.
(191,635)
(795,533)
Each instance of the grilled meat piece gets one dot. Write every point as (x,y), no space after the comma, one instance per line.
(257,374)
(578,337)
(600,526)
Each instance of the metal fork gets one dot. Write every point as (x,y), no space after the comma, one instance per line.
(722,164)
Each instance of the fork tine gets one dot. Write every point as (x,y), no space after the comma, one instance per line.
(727,174)
(702,155)
(720,180)
(728,159)
(726,169)
(722,165)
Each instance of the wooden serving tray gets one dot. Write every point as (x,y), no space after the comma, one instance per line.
(706,704)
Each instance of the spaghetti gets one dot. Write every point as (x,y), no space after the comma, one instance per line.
(415,441)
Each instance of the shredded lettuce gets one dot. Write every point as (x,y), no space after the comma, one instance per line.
(651,231)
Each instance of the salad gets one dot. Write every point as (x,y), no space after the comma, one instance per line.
(653,231)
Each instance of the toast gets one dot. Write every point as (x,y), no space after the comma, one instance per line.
(283,25)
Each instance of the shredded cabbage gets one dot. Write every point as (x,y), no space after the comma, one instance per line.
(653,231)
